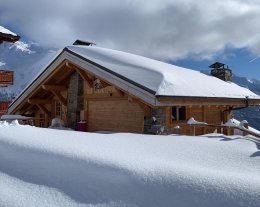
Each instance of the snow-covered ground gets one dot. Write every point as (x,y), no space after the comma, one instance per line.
(47,167)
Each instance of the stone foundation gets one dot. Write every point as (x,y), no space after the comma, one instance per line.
(155,124)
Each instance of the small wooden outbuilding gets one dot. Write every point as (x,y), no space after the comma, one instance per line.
(6,76)
(122,92)
(7,36)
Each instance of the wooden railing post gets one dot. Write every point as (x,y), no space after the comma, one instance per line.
(245,126)
(193,131)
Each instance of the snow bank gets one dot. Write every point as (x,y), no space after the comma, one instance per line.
(47,167)
(240,125)
(162,78)
(14,116)
(192,121)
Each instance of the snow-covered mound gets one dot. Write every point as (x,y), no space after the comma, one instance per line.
(162,78)
(47,167)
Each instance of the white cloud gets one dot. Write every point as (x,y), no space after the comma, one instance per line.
(22,46)
(162,29)
(1,64)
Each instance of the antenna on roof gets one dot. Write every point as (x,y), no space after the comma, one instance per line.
(84,43)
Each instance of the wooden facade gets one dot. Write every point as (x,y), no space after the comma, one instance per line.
(6,78)
(4,107)
(73,92)
(8,38)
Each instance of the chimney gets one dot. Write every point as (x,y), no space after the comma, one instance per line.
(83,43)
(220,71)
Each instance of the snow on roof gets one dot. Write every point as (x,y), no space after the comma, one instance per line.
(46,167)
(162,78)
(6,31)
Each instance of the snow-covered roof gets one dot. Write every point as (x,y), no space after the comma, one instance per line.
(6,31)
(142,77)
(162,78)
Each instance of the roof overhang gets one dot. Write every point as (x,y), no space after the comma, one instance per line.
(8,38)
(187,100)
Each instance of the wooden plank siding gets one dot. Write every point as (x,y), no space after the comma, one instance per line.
(210,114)
(119,116)
(110,109)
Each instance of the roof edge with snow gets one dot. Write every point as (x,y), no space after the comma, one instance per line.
(119,79)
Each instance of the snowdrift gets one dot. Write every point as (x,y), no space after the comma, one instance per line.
(47,167)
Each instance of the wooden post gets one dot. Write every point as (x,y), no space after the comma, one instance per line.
(228,131)
(246,126)
(193,130)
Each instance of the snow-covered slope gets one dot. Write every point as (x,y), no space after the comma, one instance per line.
(162,78)
(46,167)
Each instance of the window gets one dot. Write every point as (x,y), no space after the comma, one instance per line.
(178,113)
(182,113)
(57,109)
(42,119)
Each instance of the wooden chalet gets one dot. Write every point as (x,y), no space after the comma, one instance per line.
(122,92)
(7,36)
(6,76)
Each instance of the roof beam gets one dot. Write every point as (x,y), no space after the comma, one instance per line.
(26,109)
(43,109)
(82,73)
(84,76)
(54,87)
(60,97)
(207,101)
(36,101)
(122,93)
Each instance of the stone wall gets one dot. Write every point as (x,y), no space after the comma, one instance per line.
(155,124)
(75,99)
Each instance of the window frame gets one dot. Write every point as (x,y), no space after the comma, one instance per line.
(178,112)
(58,109)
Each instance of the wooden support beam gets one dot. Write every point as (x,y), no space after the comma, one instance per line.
(207,101)
(84,76)
(104,83)
(43,108)
(204,118)
(122,93)
(38,101)
(54,87)
(91,97)
(26,109)
(82,73)
(60,97)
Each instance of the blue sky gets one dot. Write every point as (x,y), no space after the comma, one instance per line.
(188,33)
(241,61)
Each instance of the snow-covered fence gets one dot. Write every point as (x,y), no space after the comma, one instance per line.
(230,124)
